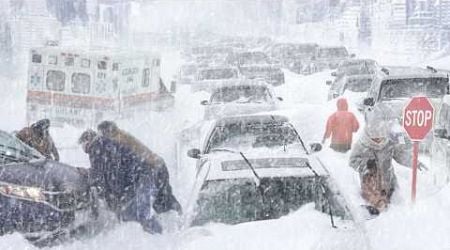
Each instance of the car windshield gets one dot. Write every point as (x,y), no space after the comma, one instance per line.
(13,150)
(233,201)
(405,88)
(332,52)
(244,135)
(253,58)
(358,85)
(241,94)
(216,74)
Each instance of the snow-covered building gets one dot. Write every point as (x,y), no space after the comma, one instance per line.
(94,23)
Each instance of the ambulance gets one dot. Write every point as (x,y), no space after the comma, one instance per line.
(83,87)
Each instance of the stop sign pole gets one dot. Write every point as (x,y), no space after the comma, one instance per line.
(418,118)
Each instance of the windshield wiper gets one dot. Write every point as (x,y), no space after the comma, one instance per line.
(258,182)
(325,193)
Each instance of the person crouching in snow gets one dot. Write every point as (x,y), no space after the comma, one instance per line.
(122,179)
(372,157)
(38,137)
(340,126)
(165,200)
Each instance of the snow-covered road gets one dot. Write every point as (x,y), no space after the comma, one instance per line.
(404,226)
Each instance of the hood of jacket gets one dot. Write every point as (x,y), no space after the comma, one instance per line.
(342,104)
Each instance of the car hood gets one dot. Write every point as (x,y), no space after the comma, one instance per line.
(267,163)
(45,174)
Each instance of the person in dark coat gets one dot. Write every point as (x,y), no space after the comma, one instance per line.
(38,137)
(123,179)
(165,200)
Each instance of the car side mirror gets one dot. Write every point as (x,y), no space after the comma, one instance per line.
(204,102)
(333,73)
(315,147)
(441,133)
(194,153)
(328,82)
(368,101)
(280,98)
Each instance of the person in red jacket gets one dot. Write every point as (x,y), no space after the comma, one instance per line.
(340,126)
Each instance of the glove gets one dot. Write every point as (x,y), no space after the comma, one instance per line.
(422,167)
(371,164)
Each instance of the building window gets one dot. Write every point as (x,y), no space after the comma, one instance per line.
(85,63)
(101,65)
(53,60)
(146,77)
(81,83)
(36,58)
(69,61)
(55,80)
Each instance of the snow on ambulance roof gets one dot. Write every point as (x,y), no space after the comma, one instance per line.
(94,52)
(396,72)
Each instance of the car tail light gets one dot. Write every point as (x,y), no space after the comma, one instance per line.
(22,192)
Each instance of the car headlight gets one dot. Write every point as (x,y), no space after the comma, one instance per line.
(22,192)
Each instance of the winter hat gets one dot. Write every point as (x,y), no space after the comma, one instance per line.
(86,136)
(41,124)
(108,128)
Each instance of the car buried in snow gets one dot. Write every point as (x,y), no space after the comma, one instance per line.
(210,77)
(296,57)
(353,79)
(242,97)
(257,167)
(47,201)
(268,73)
(239,59)
(329,57)
(393,87)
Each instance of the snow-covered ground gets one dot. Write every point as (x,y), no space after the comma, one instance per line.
(404,226)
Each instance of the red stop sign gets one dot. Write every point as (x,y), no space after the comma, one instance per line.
(418,117)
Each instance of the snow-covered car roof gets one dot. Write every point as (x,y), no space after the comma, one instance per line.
(396,72)
(352,61)
(218,67)
(243,83)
